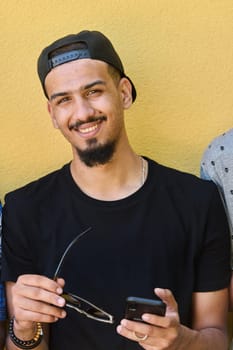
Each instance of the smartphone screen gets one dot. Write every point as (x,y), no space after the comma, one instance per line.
(136,307)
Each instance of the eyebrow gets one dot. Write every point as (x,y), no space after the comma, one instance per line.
(85,87)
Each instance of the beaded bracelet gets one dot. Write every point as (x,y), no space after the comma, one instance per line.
(26,344)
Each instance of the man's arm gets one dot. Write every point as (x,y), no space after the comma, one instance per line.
(231,294)
(209,330)
(2,334)
(3,317)
(33,299)
(210,320)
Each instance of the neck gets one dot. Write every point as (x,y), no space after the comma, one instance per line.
(115,180)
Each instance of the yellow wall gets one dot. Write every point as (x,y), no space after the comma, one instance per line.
(179,54)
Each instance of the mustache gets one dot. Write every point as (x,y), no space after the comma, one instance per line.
(78,123)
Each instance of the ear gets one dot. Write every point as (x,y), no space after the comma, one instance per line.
(50,110)
(126,92)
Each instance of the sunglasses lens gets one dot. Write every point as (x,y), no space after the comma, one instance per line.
(76,302)
(97,313)
(72,299)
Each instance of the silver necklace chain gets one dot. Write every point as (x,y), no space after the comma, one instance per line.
(144,170)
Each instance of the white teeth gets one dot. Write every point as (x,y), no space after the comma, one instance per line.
(86,130)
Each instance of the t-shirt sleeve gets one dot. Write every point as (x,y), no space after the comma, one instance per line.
(207,165)
(213,260)
(17,224)
(204,169)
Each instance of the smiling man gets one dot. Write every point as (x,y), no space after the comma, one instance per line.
(109,225)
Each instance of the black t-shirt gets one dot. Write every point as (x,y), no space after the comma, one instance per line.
(171,233)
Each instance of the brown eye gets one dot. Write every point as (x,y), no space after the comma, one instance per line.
(63,100)
(91,92)
(94,92)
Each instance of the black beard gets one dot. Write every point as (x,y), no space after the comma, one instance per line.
(97,155)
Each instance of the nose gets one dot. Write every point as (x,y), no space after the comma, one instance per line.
(82,109)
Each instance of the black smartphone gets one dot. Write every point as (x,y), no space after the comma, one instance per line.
(136,306)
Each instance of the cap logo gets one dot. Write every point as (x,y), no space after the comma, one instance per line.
(68,57)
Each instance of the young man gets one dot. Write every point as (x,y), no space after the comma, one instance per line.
(109,225)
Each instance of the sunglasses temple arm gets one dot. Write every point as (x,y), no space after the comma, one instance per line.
(56,274)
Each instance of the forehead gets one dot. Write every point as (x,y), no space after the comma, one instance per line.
(79,72)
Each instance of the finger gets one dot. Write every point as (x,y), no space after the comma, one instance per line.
(168,298)
(45,300)
(61,282)
(152,330)
(32,310)
(28,316)
(34,293)
(161,324)
(146,343)
(130,328)
(127,333)
(27,307)
(42,282)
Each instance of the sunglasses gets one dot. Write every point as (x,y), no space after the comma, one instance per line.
(74,301)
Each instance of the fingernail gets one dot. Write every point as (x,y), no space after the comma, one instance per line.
(61,301)
(119,329)
(63,314)
(145,317)
(123,322)
(59,290)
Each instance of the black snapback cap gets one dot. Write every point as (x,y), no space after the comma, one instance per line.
(95,46)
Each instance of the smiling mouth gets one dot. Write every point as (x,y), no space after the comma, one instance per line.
(84,128)
(88,129)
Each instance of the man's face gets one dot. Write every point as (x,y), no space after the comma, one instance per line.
(87,105)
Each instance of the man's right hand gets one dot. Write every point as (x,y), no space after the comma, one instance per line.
(35,298)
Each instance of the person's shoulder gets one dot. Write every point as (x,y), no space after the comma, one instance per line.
(220,145)
(41,187)
(170,174)
(224,138)
(178,180)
